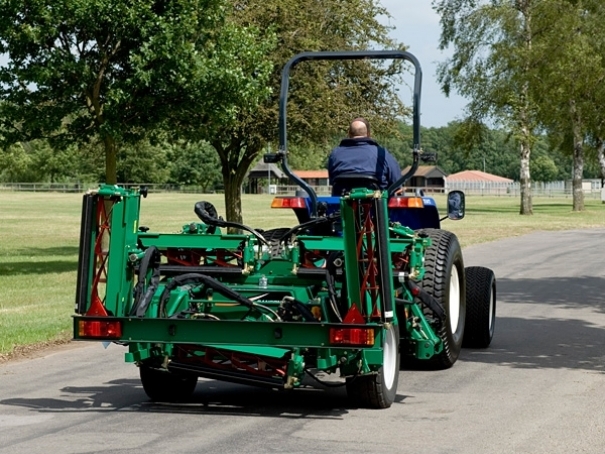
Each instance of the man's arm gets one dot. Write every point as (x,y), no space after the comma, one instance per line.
(393,169)
(330,168)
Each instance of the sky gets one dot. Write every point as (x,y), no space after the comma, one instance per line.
(417,26)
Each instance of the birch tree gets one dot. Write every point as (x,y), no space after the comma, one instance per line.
(492,65)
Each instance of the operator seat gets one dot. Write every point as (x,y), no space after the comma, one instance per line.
(347,181)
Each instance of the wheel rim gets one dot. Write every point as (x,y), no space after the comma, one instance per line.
(492,307)
(454,299)
(390,358)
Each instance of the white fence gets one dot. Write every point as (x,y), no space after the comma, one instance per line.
(592,188)
(83,187)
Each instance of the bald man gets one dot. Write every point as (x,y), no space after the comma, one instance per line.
(359,154)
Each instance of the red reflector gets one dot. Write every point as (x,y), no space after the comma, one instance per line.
(354,316)
(352,336)
(100,329)
(406,202)
(288,202)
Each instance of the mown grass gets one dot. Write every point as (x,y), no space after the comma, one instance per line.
(39,235)
(492,218)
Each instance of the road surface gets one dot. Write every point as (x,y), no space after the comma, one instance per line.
(540,388)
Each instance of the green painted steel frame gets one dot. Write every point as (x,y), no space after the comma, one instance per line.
(227,332)
(151,336)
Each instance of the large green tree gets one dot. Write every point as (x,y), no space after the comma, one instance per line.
(492,65)
(118,70)
(570,83)
(324,96)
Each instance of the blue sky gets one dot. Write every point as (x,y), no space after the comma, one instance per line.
(417,26)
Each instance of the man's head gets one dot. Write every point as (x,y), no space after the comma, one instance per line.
(359,127)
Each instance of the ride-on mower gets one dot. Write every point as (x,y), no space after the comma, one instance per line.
(366,280)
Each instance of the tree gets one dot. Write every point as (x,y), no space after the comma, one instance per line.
(324,96)
(143,163)
(492,65)
(571,78)
(120,70)
(37,161)
(194,164)
(16,165)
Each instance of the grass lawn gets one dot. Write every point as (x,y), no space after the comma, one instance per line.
(39,235)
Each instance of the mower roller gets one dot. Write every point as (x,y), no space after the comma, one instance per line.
(363,282)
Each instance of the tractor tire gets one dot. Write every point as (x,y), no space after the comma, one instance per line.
(379,390)
(274,236)
(444,280)
(164,386)
(480,307)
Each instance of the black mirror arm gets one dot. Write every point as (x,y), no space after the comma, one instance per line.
(303,184)
(409,174)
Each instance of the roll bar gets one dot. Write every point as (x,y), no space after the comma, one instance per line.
(345,55)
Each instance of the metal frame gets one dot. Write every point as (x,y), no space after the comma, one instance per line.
(347,55)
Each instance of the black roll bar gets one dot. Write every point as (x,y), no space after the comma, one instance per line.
(347,55)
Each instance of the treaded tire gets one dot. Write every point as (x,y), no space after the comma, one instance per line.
(480,307)
(443,261)
(379,390)
(164,386)
(274,236)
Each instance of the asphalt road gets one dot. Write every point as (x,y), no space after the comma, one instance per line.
(540,387)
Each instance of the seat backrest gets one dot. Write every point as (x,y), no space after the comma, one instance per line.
(347,181)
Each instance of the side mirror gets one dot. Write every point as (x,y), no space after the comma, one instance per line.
(428,157)
(272,158)
(455,205)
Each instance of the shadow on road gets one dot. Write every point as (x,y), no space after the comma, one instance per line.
(544,343)
(572,292)
(210,397)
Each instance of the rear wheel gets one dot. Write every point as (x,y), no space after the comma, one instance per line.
(379,390)
(275,239)
(444,279)
(275,234)
(164,386)
(480,307)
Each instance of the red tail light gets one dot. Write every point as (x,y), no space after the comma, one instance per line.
(100,329)
(352,336)
(288,202)
(406,202)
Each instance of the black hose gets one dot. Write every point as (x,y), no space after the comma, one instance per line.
(201,209)
(142,296)
(330,280)
(311,223)
(192,278)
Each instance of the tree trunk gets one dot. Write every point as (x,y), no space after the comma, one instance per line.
(236,160)
(111,166)
(525,178)
(526,206)
(601,158)
(578,160)
(233,196)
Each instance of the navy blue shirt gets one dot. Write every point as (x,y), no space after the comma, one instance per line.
(363,156)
